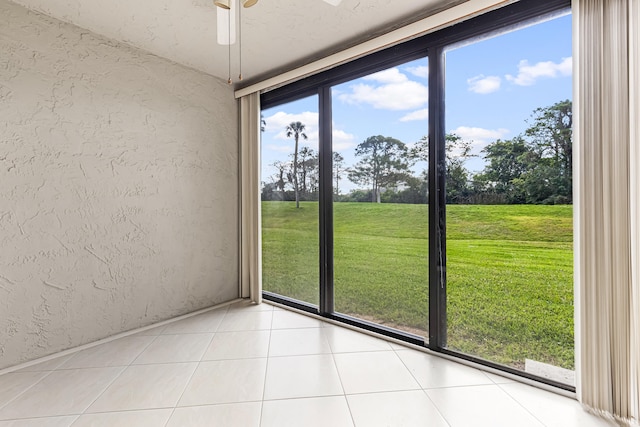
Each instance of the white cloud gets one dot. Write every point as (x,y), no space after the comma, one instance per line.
(279,148)
(392,75)
(393,91)
(528,74)
(278,122)
(484,85)
(422,114)
(419,71)
(342,140)
(479,135)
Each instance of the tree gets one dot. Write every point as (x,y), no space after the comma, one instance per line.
(338,170)
(307,163)
(508,161)
(279,180)
(384,163)
(457,152)
(551,137)
(420,153)
(296,129)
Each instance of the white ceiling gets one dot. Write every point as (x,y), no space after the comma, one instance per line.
(276,34)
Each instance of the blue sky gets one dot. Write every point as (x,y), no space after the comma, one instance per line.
(492,87)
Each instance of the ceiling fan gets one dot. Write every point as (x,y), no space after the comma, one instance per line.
(227,20)
(226,24)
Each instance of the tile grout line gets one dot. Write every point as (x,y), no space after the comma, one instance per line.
(138,355)
(111,338)
(123,368)
(335,364)
(266,371)
(422,389)
(186,385)
(2,407)
(521,405)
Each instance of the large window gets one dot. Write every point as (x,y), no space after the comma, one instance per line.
(290,200)
(508,194)
(380,212)
(433,201)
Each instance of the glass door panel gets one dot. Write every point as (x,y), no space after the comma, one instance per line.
(509,194)
(289,194)
(380,211)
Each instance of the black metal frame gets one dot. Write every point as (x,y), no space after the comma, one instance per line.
(432,46)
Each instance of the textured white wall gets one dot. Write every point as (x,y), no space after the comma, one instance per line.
(118,187)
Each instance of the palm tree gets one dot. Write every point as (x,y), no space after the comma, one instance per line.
(296,129)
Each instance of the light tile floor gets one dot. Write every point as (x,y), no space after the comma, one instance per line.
(245,365)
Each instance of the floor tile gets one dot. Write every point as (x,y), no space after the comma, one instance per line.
(14,383)
(120,352)
(293,342)
(314,412)
(41,422)
(480,406)
(49,365)
(248,306)
(433,371)
(151,332)
(61,393)
(175,348)
(373,371)
(145,387)
(202,323)
(398,409)
(395,346)
(289,320)
(249,365)
(238,345)
(302,376)
(260,320)
(226,381)
(148,418)
(227,415)
(343,340)
(499,379)
(552,409)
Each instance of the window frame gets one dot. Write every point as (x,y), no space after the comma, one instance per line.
(432,46)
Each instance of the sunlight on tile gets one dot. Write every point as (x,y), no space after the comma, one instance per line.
(373,371)
(301,376)
(480,406)
(145,387)
(399,409)
(226,381)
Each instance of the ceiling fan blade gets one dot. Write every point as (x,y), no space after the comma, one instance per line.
(333,2)
(226,35)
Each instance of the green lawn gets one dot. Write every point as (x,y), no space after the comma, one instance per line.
(509,272)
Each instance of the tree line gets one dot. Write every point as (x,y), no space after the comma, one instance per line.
(534,167)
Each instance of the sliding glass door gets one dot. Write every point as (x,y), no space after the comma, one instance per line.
(424,192)
(289,196)
(380,212)
(508,193)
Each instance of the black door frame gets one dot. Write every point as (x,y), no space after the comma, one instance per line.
(431,46)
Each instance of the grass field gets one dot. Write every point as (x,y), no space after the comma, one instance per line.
(509,272)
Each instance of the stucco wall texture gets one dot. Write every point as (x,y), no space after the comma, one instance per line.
(118,187)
